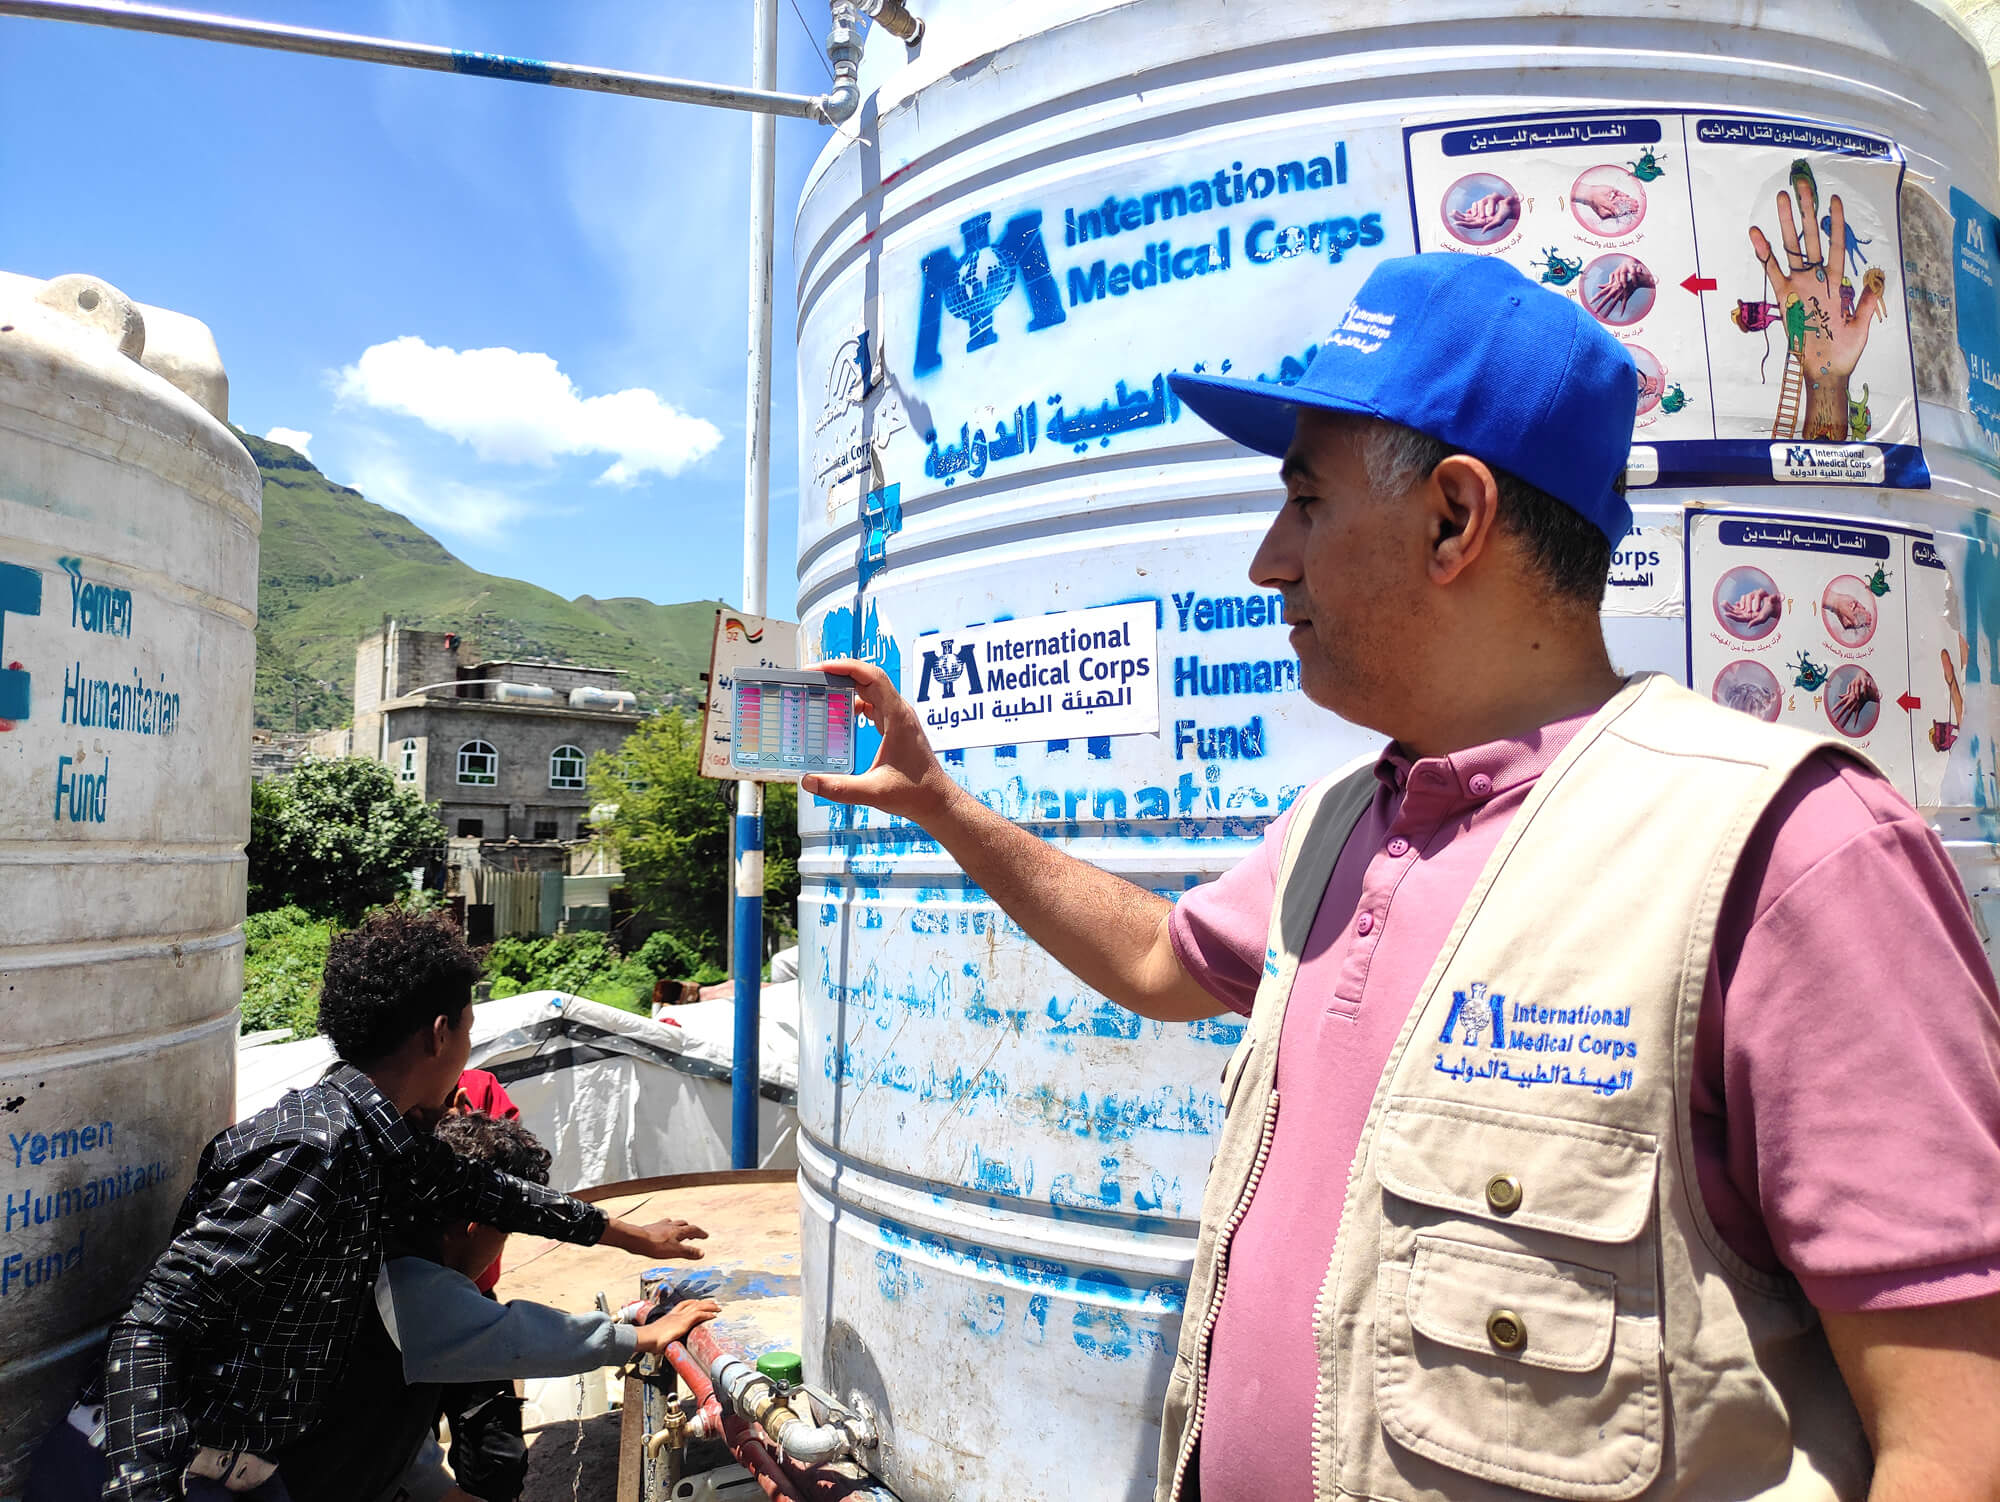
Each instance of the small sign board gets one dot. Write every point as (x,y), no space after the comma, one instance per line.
(741,641)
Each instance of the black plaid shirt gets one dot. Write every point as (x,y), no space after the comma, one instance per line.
(242,1327)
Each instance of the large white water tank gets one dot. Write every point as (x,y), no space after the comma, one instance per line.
(128,594)
(525,693)
(1033,220)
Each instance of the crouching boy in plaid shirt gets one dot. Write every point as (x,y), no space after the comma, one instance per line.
(243,1326)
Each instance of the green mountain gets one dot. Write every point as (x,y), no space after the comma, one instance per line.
(334,564)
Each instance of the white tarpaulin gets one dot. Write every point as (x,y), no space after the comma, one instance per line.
(613,1096)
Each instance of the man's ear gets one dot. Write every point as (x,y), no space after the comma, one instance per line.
(1466,506)
(440,1032)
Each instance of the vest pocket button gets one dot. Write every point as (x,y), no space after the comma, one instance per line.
(1506,1330)
(1503,1193)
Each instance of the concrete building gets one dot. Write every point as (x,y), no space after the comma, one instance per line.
(499,745)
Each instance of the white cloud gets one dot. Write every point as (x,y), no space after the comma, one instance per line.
(447,506)
(291,438)
(519,408)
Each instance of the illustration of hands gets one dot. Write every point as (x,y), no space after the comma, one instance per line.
(1754,608)
(1944,733)
(1651,384)
(1611,205)
(1822,334)
(1850,613)
(1488,212)
(1624,284)
(1854,700)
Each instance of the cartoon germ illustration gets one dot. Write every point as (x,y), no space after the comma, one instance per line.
(1807,674)
(1558,271)
(1674,399)
(1647,168)
(1878,582)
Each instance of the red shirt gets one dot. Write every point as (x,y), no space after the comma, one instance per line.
(480,1091)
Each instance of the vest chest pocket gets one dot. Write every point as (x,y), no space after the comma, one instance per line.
(1517,1333)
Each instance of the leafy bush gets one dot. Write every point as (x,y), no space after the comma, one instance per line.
(589,965)
(284,956)
(336,838)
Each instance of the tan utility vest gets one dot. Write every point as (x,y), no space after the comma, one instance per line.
(1527,1296)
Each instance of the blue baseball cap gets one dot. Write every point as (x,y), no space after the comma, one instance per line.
(1469,351)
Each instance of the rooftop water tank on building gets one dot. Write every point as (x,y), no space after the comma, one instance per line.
(618,700)
(525,693)
(1033,220)
(128,596)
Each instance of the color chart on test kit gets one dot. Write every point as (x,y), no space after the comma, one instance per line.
(791,723)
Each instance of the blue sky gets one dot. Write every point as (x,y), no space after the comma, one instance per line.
(353,234)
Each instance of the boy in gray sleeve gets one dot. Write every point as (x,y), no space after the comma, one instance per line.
(433,1329)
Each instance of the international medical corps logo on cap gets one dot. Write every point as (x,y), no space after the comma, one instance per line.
(1363,330)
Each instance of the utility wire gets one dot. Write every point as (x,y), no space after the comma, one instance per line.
(817,50)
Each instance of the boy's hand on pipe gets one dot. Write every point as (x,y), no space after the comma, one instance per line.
(675,1324)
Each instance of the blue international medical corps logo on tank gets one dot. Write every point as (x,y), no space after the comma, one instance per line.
(972,283)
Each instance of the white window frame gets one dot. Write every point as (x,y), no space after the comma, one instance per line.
(466,755)
(406,771)
(574,755)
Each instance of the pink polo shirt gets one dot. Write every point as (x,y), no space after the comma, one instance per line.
(1846,1091)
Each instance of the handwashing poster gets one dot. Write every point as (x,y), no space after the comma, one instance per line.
(1833,626)
(1749,265)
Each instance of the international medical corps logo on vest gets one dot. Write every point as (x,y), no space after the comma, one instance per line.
(972,284)
(1471,1011)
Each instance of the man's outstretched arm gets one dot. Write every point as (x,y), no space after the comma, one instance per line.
(1110,934)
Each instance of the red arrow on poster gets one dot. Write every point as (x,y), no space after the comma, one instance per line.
(1699,284)
(1910,702)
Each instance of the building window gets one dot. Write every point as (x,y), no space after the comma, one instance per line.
(545,829)
(478,763)
(471,829)
(566,767)
(407,772)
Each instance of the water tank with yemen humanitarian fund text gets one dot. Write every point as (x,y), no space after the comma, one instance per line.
(1039,214)
(128,586)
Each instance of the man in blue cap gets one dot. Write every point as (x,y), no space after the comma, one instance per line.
(1545,1171)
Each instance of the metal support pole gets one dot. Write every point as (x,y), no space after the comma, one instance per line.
(203,26)
(747,963)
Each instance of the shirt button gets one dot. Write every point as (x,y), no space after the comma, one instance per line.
(1480,785)
(1399,847)
(1365,925)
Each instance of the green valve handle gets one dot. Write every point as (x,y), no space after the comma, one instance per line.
(782,1366)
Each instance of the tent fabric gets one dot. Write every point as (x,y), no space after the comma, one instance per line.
(613,1096)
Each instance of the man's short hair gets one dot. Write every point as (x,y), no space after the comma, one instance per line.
(505,1144)
(1572,556)
(391,977)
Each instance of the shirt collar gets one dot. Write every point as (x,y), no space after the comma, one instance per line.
(378,1114)
(1477,773)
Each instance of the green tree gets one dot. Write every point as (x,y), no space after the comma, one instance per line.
(671,833)
(336,838)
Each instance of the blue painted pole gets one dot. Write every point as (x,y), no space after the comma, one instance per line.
(747,965)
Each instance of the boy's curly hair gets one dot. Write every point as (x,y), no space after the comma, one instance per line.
(506,1145)
(393,976)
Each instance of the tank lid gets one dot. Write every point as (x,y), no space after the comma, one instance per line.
(177,348)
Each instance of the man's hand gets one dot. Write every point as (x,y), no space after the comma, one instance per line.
(676,1324)
(907,778)
(659,1239)
(1112,935)
(1927,1384)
